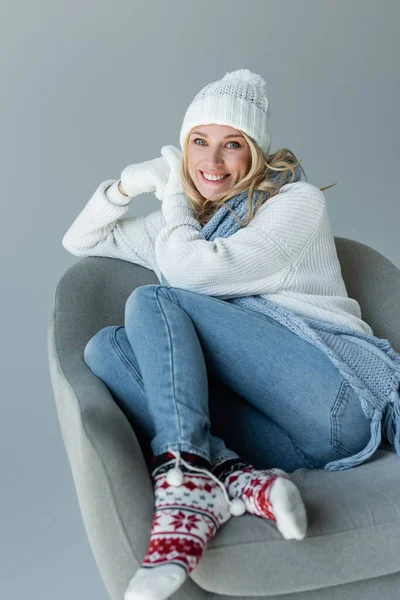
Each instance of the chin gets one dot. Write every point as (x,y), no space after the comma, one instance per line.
(214,198)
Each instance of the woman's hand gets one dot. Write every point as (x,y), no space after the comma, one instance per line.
(173,157)
(149,176)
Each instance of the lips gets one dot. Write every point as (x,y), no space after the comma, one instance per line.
(213,182)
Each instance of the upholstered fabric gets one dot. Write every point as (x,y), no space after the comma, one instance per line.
(352,546)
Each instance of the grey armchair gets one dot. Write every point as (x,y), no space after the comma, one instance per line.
(353,545)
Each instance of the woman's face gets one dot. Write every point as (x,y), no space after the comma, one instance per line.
(217,150)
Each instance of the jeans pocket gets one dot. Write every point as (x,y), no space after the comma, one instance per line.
(350,428)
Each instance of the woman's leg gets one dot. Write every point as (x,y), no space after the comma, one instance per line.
(110,356)
(179,337)
(168,348)
(237,427)
(163,326)
(185,518)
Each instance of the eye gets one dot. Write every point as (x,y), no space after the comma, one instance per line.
(201,139)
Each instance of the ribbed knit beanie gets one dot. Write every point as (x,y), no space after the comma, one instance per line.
(239,100)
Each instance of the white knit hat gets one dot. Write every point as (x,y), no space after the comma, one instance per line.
(238,100)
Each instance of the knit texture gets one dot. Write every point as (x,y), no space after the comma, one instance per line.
(283,264)
(287,254)
(270,494)
(185,517)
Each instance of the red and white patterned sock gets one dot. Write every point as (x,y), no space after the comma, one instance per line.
(191,504)
(269,494)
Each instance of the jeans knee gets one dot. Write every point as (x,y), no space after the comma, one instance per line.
(97,346)
(139,298)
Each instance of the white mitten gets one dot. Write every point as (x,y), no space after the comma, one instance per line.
(173,156)
(149,176)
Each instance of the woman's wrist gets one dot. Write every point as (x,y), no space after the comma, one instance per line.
(121,189)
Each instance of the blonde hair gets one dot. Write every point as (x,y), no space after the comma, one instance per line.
(258,178)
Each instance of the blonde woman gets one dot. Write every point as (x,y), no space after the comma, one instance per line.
(230,399)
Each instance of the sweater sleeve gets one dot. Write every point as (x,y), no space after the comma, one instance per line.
(100,230)
(258,259)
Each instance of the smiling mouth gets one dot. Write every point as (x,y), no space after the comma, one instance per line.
(210,181)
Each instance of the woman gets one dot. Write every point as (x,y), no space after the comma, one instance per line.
(231,398)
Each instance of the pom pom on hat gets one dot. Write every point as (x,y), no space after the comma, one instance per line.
(245,75)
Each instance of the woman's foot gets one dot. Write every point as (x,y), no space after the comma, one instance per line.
(190,506)
(269,494)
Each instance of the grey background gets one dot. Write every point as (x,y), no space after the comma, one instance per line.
(89,87)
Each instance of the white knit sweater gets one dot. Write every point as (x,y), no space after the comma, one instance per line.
(287,253)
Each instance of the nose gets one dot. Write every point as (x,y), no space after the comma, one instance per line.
(214,159)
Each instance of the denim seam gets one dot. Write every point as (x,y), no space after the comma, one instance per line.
(300,454)
(178,303)
(335,442)
(178,418)
(123,356)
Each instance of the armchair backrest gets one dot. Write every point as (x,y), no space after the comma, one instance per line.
(374,281)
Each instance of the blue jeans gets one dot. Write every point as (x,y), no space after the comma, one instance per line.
(198,374)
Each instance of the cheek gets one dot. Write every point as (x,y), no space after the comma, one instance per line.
(240,165)
(191,160)
(246,164)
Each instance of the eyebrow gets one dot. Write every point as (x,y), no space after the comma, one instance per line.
(224,138)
